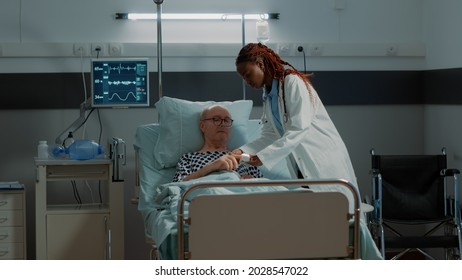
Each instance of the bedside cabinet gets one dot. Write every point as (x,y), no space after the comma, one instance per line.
(79,231)
(12,225)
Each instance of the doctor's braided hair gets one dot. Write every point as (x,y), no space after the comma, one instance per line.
(274,65)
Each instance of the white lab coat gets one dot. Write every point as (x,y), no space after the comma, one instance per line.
(309,136)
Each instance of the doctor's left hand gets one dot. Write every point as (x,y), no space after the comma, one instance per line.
(255,161)
(237,152)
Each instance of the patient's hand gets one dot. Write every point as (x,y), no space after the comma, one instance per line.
(247,176)
(226,162)
(254,160)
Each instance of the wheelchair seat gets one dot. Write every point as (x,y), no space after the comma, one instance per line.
(410,195)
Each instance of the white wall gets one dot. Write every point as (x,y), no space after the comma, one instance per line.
(441,22)
(354,39)
(443,39)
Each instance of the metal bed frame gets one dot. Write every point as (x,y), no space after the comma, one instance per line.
(245,226)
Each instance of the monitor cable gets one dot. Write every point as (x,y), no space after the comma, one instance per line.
(98,49)
(76,192)
(300,49)
(100,126)
(84,89)
(83,77)
(86,118)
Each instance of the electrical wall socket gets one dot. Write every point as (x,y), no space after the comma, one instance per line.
(300,48)
(115,49)
(80,49)
(284,49)
(392,50)
(98,46)
(316,50)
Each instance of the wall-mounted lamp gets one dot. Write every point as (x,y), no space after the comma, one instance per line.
(213,16)
(262,27)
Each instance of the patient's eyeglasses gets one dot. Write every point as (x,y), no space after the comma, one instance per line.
(226,122)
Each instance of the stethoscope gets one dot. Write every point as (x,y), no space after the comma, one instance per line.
(285,115)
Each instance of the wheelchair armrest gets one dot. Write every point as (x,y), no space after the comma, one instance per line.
(449,172)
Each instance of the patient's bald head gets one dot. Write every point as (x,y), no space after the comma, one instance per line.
(208,112)
(215,124)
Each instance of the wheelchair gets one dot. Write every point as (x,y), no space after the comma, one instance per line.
(415,213)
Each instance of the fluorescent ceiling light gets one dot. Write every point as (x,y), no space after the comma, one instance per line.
(216,16)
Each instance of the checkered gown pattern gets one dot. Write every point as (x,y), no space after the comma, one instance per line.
(192,162)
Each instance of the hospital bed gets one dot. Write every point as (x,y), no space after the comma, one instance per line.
(222,217)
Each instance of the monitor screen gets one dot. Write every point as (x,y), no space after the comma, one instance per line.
(122,82)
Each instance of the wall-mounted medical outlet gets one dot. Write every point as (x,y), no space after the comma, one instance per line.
(98,49)
(80,49)
(115,49)
(284,49)
(302,49)
(316,50)
(391,50)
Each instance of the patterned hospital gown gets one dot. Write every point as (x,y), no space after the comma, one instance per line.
(191,162)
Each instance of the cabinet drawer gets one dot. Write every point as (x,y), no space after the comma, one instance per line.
(90,171)
(11,234)
(11,218)
(11,201)
(10,251)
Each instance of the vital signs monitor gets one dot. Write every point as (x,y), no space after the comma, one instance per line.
(119,83)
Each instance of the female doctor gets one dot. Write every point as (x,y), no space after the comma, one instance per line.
(296,126)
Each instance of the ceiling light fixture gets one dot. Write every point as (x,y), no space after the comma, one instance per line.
(201,16)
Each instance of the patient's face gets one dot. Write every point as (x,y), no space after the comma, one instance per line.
(252,74)
(212,132)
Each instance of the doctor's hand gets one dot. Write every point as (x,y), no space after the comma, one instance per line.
(255,161)
(237,152)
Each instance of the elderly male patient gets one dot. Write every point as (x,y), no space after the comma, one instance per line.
(215,124)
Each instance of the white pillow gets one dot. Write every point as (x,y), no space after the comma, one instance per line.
(179,127)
